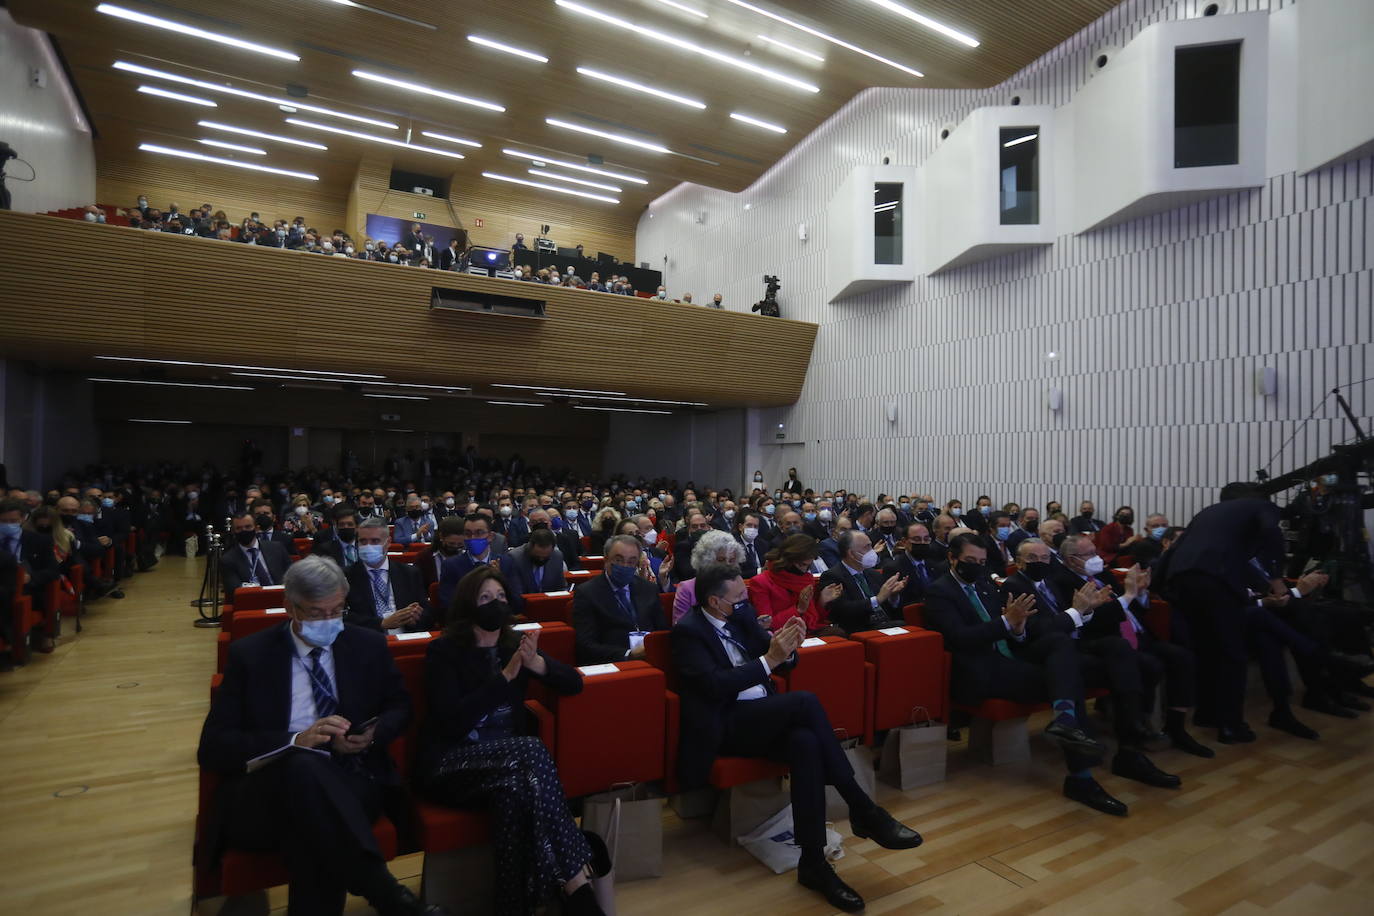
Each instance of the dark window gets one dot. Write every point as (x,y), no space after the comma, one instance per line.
(887,223)
(1207,105)
(1019,176)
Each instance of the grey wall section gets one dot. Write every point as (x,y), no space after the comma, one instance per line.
(49,425)
(43,124)
(707,448)
(1157,325)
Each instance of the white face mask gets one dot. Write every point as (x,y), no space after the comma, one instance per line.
(90,217)
(956,512)
(870,559)
(729,514)
(449,502)
(826,515)
(424,506)
(505,511)
(651,537)
(301,510)
(1093,566)
(749,533)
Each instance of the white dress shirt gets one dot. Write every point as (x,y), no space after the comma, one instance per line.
(303,713)
(758,691)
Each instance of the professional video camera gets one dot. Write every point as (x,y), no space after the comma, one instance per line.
(6,154)
(769,304)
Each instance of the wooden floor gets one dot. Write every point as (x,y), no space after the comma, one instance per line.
(97,797)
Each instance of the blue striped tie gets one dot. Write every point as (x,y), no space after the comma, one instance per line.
(381,595)
(320,688)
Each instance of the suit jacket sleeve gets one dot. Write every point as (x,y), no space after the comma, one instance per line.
(42,562)
(850,611)
(700,671)
(226,744)
(944,613)
(587,626)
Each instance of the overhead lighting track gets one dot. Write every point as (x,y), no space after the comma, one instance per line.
(549,187)
(261,135)
(608,135)
(538,159)
(927,22)
(158,22)
(641,87)
(187,154)
(177,96)
(825,36)
(508,49)
(184,362)
(374,138)
(411,86)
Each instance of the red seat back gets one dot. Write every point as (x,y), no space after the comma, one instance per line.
(246,623)
(911,671)
(613,731)
(834,672)
(256,597)
(550,607)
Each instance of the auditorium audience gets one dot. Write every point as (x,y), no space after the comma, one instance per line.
(383,595)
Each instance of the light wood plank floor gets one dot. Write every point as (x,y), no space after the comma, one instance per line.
(1280,826)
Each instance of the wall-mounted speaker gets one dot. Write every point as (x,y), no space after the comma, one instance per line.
(1056,399)
(1267,382)
(801,232)
(1102,59)
(892,411)
(945,131)
(1215,8)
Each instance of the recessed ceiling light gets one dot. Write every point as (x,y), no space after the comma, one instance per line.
(516,403)
(619,409)
(634,400)
(177,96)
(793,48)
(234,146)
(540,173)
(184,362)
(775,128)
(435,135)
(399,397)
(139,381)
(173,422)
(816,33)
(684,8)
(229,128)
(640,87)
(556,390)
(509,49)
(684,45)
(607,135)
(449,388)
(577,167)
(927,22)
(1019,140)
(550,187)
(186,154)
(245,94)
(374,138)
(157,22)
(427,90)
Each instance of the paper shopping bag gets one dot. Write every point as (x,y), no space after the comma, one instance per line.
(639,833)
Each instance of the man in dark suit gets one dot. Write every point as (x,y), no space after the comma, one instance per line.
(697,525)
(1084,522)
(568,540)
(725,662)
(823,525)
(383,595)
(295,691)
(1029,525)
(613,612)
(793,485)
(754,544)
(994,656)
(998,532)
(913,565)
(266,521)
(448,542)
(33,551)
(574,519)
(538,565)
(518,526)
(869,599)
(1206,575)
(414,242)
(477,550)
(339,543)
(251,559)
(451,258)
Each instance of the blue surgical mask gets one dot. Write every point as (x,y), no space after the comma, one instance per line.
(986,510)
(85,518)
(1158,532)
(107,502)
(905,506)
(1003,532)
(621,576)
(321,633)
(810,516)
(10,530)
(477,546)
(372,554)
(770,509)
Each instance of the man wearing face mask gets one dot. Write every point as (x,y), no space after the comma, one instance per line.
(575,519)
(869,599)
(478,549)
(186,517)
(381,594)
(266,521)
(793,485)
(1028,528)
(417,525)
(339,543)
(885,534)
(724,520)
(31,550)
(448,542)
(539,564)
(913,564)
(291,694)
(1083,522)
(613,612)
(823,524)
(251,560)
(999,531)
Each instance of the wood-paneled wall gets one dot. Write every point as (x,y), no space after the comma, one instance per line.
(138,293)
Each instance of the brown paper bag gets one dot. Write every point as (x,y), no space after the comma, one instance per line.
(639,834)
(914,755)
(861,759)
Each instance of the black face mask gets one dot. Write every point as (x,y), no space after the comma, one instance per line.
(1032,524)
(969,571)
(887,530)
(265,522)
(492,616)
(1036,572)
(1126,519)
(919,551)
(538,561)
(43,529)
(1059,539)
(1086,513)
(535,526)
(415,513)
(347,535)
(245,537)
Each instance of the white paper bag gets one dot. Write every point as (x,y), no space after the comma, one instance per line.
(774,844)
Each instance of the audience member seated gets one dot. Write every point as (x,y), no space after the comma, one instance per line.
(538,564)
(613,612)
(1084,522)
(477,551)
(994,657)
(1028,526)
(252,559)
(913,563)
(23,544)
(711,547)
(477,750)
(786,588)
(725,661)
(295,780)
(339,542)
(383,595)
(868,600)
(266,520)
(753,547)
(302,522)
(417,525)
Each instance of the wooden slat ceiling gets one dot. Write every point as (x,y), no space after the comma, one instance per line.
(334,39)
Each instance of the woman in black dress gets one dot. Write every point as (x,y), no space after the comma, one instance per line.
(477,751)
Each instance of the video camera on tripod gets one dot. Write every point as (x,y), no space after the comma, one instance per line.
(768,306)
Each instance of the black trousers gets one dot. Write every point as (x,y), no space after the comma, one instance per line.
(1110,662)
(1268,636)
(318,813)
(1174,666)
(793,728)
(1216,618)
(1044,669)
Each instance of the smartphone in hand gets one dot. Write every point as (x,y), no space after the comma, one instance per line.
(360,727)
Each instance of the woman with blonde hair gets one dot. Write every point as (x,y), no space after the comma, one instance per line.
(301,521)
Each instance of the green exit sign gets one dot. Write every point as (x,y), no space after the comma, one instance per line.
(419,215)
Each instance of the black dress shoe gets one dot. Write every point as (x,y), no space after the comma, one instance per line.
(1236,734)
(1285,721)
(1360,689)
(821,877)
(1344,664)
(582,902)
(1135,765)
(1073,738)
(1086,791)
(884,829)
(1325,705)
(1349,701)
(1190,745)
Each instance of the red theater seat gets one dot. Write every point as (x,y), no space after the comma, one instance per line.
(549,607)
(911,671)
(256,597)
(842,680)
(613,731)
(594,563)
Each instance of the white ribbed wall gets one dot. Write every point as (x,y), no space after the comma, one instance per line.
(1159,323)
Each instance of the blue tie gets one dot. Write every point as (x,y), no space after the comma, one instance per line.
(260,568)
(320,688)
(381,595)
(622,595)
(12,545)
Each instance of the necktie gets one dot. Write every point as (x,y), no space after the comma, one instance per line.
(751,556)
(1046,597)
(622,596)
(862,581)
(983,615)
(350,553)
(1128,633)
(538,573)
(921,573)
(381,593)
(320,687)
(259,567)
